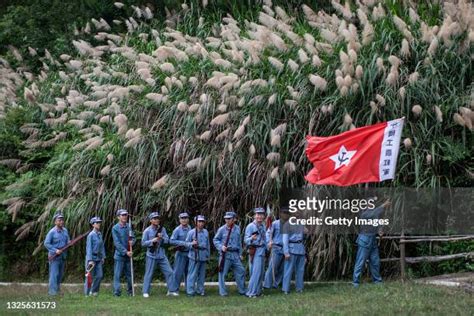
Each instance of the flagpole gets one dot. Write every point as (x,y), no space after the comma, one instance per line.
(271,241)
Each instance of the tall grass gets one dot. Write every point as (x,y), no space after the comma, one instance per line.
(260,65)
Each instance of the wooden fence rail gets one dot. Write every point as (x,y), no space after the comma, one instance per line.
(402,240)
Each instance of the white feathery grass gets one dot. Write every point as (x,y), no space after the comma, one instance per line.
(105,171)
(413,77)
(291,103)
(223,135)
(373,106)
(458,119)
(272,99)
(417,109)
(289,167)
(105,119)
(380,65)
(28,95)
(380,99)
(433,47)
(275,140)
(133,142)
(277,64)
(223,63)
(221,108)
(316,61)
(75,64)
(392,78)
(182,106)
(160,183)
(241,129)
(205,136)
(407,143)
(402,93)
(347,81)
(429,159)
(194,107)
(340,82)
(220,119)
(302,56)
(344,58)
(194,163)
(273,157)
(252,150)
(347,120)
(367,34)
(359,72)
(345,10)
(438,113)
(76,123)
(293,65)
(328,36)
(155,97)
(344,91)
(32,51)
(274,173)
(318,82)
(352,56)
(394,61)
(93,143)
(121,122)
(168,68)
(405,49)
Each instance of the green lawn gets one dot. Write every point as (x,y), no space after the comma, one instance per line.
(390,298)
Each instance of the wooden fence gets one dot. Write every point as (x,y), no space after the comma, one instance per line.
(403,240)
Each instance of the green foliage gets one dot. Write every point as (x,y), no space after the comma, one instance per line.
(389,298)
(444,267)
(59,176)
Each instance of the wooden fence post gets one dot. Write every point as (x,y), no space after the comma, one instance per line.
(402,243)
(402,257)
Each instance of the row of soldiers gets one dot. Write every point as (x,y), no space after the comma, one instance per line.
(192,245)
(286,246)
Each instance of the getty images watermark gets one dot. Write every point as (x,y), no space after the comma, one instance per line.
(312,204)
(391,210)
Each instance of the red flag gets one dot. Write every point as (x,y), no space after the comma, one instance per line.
(365,154)
(269,220)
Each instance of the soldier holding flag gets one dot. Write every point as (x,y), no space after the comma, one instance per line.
(227,241)
(95,256)
(255,239)
(56,239)
(367,248)
(120,235)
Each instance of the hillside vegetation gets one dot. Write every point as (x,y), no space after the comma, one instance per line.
(206,110)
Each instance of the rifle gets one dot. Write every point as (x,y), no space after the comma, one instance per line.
(89,275)
(271,255)
(70,244)
(130,238)
(222,262)
(270,226)
(196,247)
(155,246)
(252,249)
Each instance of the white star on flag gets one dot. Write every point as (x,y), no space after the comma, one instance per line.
(343,157)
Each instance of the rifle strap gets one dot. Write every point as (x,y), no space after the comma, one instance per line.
(228,236)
